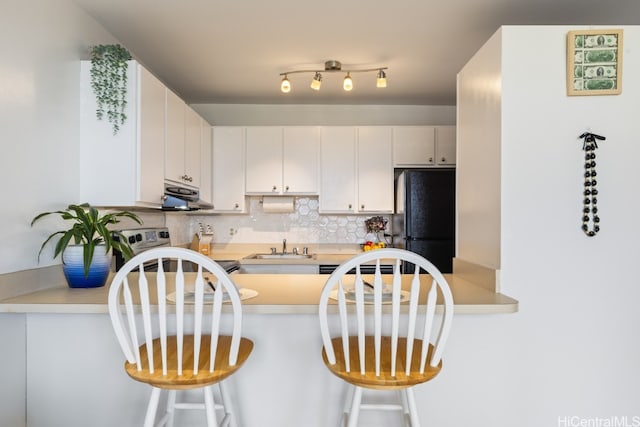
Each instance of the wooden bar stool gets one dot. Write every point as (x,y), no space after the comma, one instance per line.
(178,347)
(370,345)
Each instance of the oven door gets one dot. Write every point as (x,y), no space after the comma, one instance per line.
(151,265)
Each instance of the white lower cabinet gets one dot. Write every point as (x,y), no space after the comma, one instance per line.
(356,169)
(228,169)
(279,269)
(136,151)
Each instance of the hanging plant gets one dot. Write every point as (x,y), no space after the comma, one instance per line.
(109,82)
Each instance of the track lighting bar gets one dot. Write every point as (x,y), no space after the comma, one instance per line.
(334,66)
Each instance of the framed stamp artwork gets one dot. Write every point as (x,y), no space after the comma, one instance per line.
(594,62)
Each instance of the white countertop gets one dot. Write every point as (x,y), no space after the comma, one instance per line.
(277,294)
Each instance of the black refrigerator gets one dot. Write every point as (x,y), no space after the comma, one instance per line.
(424,222)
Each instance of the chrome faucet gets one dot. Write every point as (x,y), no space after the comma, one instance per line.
(284,246)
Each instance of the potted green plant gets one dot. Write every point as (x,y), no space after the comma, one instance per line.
(86,246)
(109,82)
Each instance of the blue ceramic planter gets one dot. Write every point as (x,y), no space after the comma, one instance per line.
(73,267)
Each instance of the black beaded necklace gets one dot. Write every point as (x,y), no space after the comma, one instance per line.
(590,208)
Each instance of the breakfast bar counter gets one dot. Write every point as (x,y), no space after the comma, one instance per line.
(277,294)
(62,336)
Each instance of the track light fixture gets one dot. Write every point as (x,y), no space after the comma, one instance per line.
(381,81)
(285,86)
(333,66)
(316,82)
(347,84)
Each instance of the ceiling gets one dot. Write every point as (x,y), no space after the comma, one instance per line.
(233,51)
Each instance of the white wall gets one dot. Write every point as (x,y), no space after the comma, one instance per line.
(573,348)
(478,158)
(41,42)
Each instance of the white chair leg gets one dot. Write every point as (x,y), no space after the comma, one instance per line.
(229,416)
(405,408)
(171,407)
(152,407)
(413,409)
(354,412)
(347,405)
(210,407)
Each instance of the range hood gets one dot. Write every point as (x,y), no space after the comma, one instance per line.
(182,198)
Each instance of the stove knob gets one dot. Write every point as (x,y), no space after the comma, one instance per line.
(138,237)
(132,240)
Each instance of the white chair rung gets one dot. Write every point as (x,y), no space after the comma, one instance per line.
(381,407)
(199,406)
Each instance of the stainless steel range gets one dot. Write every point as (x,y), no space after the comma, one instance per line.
(143,239)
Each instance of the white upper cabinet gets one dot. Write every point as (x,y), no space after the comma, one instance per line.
(228,169)
(414,146)
(264,160)
(136,151)
(192,146)
(174,143)
(446,145)
(281,161)
(375,169)
(182,150)
(337,169)
(356,169)
(206,161)
(301,157)
(424,146)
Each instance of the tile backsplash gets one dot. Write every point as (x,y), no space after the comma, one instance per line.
(304,225)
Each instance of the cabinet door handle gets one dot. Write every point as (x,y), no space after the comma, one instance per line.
(286,188)
(361,206)
(350,206)
(443,160)
(236,206)
(430,159)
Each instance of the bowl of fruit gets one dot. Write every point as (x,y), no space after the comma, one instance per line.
(369,245)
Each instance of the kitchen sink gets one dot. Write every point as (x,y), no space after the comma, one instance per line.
(279,256)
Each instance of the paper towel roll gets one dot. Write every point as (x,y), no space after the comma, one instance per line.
(277,204)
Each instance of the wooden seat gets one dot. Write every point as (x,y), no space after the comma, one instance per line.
(179,344)
(370,345)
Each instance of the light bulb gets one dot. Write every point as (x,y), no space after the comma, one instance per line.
(348,83)
(316,82)
(382,79)
(285,86)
